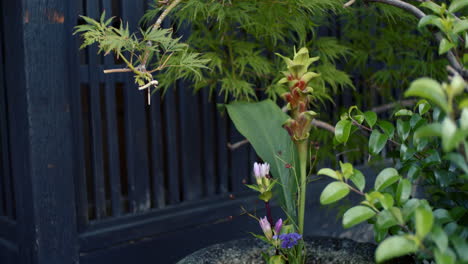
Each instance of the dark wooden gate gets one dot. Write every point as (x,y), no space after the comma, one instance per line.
(88,172)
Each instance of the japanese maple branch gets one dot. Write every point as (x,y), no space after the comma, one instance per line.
(419,14)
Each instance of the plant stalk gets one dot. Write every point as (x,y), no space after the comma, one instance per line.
(303,153)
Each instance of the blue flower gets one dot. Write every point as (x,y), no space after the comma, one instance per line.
(288,240)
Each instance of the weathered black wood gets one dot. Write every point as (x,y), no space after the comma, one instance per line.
(3,128)
(222,157)
(157,165)
(136,127)
(8,229)
(111,135)
(41,141)
(239,160)
(209,151)
(116,231)
(92,10)
(190,148)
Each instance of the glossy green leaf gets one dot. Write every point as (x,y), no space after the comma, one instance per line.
(431,130)
(261,123)
(346,169)
(409,208)
(334,192)
(403,129)
(387,128)
(404,112)
(329,172)
(440,238)
(424,219)
(386,201)
(358,179)
(423,106)
(342,130)
(371,118)
(428,89)
(397,213)
(386,178)
(403,191)
(461,247)
(356,215)
(395,246)
(433,7)
(445,45)
(460,26)
(431,20)
(445,257)
(458,160)
(377,142)
(442,216)
(385,220)
(457,5)
(450,137)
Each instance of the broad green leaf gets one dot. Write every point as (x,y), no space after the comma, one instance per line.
(386,201)
(464,120)
(458,160)
(377,142)
(346,169)
(395,246)
(387,128)
(440,238)
(386,178)
(358,179)
(430,90)
(445,45)
(409,208)
(433,7)
(334,192)
(431,130)
(261,123)
(457,5)
(460,26)
(431,20)
(461,247)
(329,172)
(371,118)
(396,212)
(342,130)
(403,129)
(424,219)
(423,106)
(403,191)
(385,220)
(404,112)
(442,216)
(445,257)
(356,215)
(450,137)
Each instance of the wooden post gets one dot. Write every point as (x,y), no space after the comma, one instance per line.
(39,80)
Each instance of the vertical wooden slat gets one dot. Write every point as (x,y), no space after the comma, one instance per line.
(239,160)
(111,137)
(222,157)
(190,142)
(3,130)
(136,127)
(208,136)
(96,126)
(172,156)
(157,152)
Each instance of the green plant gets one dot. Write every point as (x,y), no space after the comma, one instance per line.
(430,149)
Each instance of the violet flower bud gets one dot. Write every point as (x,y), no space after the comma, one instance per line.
(266,227)
(278,226)
(261,170)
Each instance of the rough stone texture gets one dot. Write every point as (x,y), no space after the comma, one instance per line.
(321,250)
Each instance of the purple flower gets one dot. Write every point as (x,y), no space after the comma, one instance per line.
(261,170)
(288,240)
(278,226)
(266,227)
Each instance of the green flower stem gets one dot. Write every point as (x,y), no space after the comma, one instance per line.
(302,148)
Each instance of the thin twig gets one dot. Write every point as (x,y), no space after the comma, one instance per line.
(148,85)
(348,4)
(386,107)
(420,14)
(237,144)
(324,125)
(117,70)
